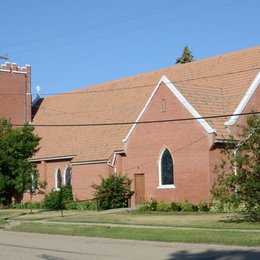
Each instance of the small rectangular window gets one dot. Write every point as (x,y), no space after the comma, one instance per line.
(163,105)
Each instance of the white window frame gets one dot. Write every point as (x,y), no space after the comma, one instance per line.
(164,186)
(56,179)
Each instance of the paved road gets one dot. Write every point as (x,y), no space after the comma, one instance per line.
(14,246)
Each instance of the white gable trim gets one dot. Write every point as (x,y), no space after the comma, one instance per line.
(181,98)
(251,90)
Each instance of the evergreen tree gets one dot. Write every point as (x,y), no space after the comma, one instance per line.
(186,56)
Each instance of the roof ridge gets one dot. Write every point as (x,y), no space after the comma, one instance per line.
(193,63)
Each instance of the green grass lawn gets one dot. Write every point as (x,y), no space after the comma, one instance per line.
(223,222)
(195,220)
(47,214)
(188,236)
(2,223)
(11,213)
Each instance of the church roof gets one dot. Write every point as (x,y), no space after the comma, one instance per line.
(213,86)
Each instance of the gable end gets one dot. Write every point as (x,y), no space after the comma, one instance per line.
(181,98)
(251,90)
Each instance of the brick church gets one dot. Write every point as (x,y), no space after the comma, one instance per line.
(159,127)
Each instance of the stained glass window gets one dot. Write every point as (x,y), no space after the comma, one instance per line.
(67,177)
(166,168)
(58,179)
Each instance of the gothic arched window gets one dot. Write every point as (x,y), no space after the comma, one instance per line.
(166,169)
(67,177)
(58,179)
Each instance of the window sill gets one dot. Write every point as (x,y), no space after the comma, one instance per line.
(163,187)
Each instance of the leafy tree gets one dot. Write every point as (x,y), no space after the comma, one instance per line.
(113,192)
(17,174)
(185,57)
(36,187)
(57,199)
(238,180)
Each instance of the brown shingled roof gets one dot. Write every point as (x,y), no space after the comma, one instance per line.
(213,86)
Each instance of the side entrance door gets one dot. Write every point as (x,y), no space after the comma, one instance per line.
(139,189)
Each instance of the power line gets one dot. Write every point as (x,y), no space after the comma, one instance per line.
(133,29)
(106,23)
(133,87)
(173,152)
(141,122)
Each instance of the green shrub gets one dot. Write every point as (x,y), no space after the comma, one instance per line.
(216,206)
(82,205)
(67,193)
(52,200)
(195,208)
(241,208)
(149,205)
(229,207)
(92,205)
(164,206)
(254,212)
(187,206)
(144,207)
(56,199)
(152,204)
(27,205)
(176,206)
(113,192)
(203,207)
(71,205)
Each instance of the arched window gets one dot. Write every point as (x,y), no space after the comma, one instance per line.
(58,179)
(67,177)
(166,170)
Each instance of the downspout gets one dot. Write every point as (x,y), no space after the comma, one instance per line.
(235,162)
(236,149)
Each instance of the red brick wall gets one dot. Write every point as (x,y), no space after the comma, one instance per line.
(47,172)
(188,143)
(51,168)
(15,82)
(215,158)
(83,176)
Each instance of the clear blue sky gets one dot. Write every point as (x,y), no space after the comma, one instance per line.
(76,43)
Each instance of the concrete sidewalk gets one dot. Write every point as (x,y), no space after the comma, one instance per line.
(59,221)
(12,223)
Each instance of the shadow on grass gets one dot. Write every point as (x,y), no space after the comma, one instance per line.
(249,254)
(26,212)
(235,219)
(15,216)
